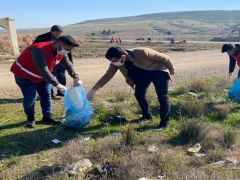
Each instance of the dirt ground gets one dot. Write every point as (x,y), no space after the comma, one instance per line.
(188,65)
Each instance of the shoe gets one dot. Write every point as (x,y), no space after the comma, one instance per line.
(30,124)
(50,120)
(30,121)
(161,127)
(141,119)
(54,97)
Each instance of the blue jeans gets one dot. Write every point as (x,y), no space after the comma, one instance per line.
(30,90)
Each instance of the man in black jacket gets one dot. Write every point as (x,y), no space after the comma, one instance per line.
(59,70)
(229,48)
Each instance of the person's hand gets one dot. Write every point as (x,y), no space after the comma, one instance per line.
(172,72)
(77,81)
(230,75)
(90,94)
(61,88)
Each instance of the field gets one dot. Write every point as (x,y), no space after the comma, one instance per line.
(200,113)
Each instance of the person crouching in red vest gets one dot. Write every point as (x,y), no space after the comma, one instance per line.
(33,74)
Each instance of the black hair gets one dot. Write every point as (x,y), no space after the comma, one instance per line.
(114,52)
(227,47)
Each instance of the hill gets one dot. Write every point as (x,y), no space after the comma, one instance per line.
(189,25)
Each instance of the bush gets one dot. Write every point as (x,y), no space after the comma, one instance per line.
(194,108)
(199,85)
(129,136)
(192,131)
(214,156)
(221,112)
(229,138)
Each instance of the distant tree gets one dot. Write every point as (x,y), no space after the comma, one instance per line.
(104,32)
(169,33)
(108,32)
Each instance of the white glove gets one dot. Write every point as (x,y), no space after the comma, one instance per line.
(77,81)
(61,88)
(91,93)
(230,75)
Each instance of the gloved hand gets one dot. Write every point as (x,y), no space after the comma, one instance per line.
(61,88)
(77,81)
(91,93)
(230,75)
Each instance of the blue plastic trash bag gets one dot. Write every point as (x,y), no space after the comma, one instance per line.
(78,111)
(234,91)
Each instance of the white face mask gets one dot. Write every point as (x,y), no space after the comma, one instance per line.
(119,63)
(62,51)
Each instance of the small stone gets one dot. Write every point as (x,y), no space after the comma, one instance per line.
(199,154)
(195,149)
(231,161)
(116,134)
(218,164)
(72,173)
(192,94)
(152,148)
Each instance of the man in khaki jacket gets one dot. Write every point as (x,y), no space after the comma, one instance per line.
(141,66)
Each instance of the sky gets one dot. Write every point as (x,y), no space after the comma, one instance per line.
(45,13)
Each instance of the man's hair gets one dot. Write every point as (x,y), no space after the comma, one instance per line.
(227,47)
(56,28)
(114,52)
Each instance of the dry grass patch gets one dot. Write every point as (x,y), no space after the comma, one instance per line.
(199,85)
(229,138)
(193,108)
(221,111)
(192,131)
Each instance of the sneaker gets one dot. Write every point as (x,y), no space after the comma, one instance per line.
(30,124)
(141,119)
(54,97)
(50,120)
(161,127)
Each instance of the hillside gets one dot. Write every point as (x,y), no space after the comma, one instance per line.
(190,25)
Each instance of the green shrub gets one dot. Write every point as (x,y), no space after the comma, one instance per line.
(221,112)
(229,138)
(192,131)
(193,108)
(199,85)
(129,136)
(214,156)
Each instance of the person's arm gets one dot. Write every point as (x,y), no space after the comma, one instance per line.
(40,62)
(111,71)
(162,58)
(70,57)
(232,64)
(103,80)
(69,67)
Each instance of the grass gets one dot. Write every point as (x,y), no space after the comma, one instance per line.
(30,154)
(229,138)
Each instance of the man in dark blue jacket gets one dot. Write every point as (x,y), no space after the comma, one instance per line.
(59,70)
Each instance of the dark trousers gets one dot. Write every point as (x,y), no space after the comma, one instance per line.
(59,73)
(160,81)
(30,90)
